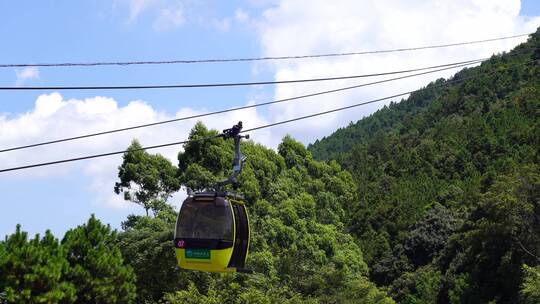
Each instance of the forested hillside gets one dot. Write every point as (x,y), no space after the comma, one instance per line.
(434,199)
(448,185)
(301,251)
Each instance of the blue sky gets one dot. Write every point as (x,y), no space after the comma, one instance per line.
(64,196)
(103,31)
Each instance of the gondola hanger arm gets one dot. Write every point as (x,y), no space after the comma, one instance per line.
(234,133)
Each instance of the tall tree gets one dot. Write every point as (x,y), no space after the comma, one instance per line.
(146,179)
(204,162)
(34,271)
(98,270)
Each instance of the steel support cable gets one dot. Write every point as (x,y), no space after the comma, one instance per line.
(263,126)
(448,66)
(107,154)
(226,84)
(380,99)
(126,63)
(229,84)
(363,103)
(232,109)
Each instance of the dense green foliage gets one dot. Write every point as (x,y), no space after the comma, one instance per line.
(530,290)
(300,249)
(96,265)
(448,185)
(86,267)
(34,271)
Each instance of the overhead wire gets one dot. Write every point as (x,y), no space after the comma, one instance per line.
(237,108)
(446,67)
(249,59)
(361,103)
(105,154)
(225,84)
(256,128)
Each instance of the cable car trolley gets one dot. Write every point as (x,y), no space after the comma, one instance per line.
(212,228)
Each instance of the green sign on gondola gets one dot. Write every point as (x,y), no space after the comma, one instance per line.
(197,253)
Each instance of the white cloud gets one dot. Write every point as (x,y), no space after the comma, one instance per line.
(54,117)
(168,14)
(223,25)
(26,74)
(138,6)
(319,26)
(170,17)
(241,15)
(240,20)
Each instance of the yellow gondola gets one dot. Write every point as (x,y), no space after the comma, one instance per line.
(212,229)
(212,233)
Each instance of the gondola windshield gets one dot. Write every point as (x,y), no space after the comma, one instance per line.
(205,220)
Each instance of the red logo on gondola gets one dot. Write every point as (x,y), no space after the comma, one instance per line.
(180,244)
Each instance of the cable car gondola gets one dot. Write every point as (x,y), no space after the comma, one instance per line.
(212,228)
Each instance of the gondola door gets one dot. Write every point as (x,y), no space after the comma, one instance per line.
(241,243)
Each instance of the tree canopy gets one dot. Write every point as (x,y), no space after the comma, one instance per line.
(86,267)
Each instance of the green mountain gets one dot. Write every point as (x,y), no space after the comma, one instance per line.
(448,183)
